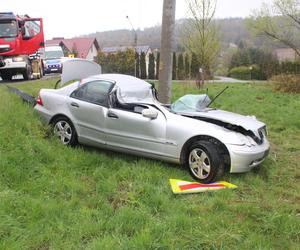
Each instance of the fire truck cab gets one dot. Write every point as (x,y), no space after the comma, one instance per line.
(21,37)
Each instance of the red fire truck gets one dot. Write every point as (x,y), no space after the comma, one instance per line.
(21,37)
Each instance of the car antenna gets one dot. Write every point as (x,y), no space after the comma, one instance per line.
(217,96)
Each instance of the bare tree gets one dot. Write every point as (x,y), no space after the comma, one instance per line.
(279,21)
(200,34)
(167,47)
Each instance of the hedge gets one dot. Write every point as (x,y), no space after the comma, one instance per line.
(252,72)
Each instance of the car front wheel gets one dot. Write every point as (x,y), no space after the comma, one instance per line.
(204,161)
(65,131)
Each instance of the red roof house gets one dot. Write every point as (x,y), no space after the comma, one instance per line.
(86,48)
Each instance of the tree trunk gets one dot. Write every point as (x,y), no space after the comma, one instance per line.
(167,47)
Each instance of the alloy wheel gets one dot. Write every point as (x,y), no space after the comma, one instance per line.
(199,163)
(63,130)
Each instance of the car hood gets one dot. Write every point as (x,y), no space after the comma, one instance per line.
(247,122)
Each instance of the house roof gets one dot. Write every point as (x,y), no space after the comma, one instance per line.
(80,45)
(115,49)
(139,49)
(144,48)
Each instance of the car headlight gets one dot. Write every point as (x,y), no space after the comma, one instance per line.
(18,59)
(246,140)
(264,131)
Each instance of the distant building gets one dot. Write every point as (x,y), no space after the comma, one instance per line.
(139,49)
(86,48)
(286,54)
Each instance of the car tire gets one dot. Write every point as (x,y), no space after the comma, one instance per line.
(27,73)
(65,130)
(6,76)
(204,161)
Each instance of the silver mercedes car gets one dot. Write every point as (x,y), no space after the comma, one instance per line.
(122,113)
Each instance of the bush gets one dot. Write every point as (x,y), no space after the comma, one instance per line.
(287,83)
(252,72)
(122,62)
(288,68)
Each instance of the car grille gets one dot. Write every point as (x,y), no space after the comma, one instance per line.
(54,66)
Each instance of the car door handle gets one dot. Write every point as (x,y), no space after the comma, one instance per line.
(112,115)
(74,104)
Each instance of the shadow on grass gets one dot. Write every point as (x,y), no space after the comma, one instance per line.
(129,158)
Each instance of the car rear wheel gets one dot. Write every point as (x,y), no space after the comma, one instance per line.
(65,131)
(204,161)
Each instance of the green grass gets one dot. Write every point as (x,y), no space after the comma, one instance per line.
(56,197)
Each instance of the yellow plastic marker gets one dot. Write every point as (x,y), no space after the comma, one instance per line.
(186,187)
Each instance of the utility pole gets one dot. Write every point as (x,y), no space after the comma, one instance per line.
(135,46)
(167,47)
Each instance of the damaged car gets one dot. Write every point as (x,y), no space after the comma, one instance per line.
(121,113)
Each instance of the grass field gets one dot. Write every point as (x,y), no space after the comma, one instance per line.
(56,197)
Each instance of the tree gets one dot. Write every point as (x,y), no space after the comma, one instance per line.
(280,21)
(200,35)
(174,67)
(157,64)
(167,46)
(240,58)
(194,66)
(138,68)
(143,65)
(187,66)
(180,67)
(151,66)
(265,61)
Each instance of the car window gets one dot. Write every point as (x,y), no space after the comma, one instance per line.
(95,92)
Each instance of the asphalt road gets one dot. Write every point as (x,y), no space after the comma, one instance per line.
(19,79)
(223,79)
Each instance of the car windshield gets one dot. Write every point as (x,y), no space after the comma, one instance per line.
(191,103)
(8,29)
(54,54)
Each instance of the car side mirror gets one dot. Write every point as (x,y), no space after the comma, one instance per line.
(150,113)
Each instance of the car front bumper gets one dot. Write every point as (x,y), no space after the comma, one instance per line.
(244,158)
(9,64)
(53,69)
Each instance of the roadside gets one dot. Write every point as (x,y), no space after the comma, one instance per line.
(92,195)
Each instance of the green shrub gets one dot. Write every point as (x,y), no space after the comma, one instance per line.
(288,67)
(122,62)
(252,72)
(287,83)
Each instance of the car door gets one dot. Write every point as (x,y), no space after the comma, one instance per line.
(88,106)
(130,130)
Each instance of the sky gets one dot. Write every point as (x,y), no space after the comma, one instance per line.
(67,18)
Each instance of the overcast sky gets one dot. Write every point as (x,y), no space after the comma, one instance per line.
(69,18)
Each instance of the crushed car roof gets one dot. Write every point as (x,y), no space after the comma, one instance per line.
(129,88)
(122,81)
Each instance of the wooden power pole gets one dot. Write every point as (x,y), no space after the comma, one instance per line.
(166,49)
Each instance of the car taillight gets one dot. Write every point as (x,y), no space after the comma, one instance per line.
(39,101)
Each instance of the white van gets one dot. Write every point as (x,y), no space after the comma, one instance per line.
(53,59)
(53,52)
